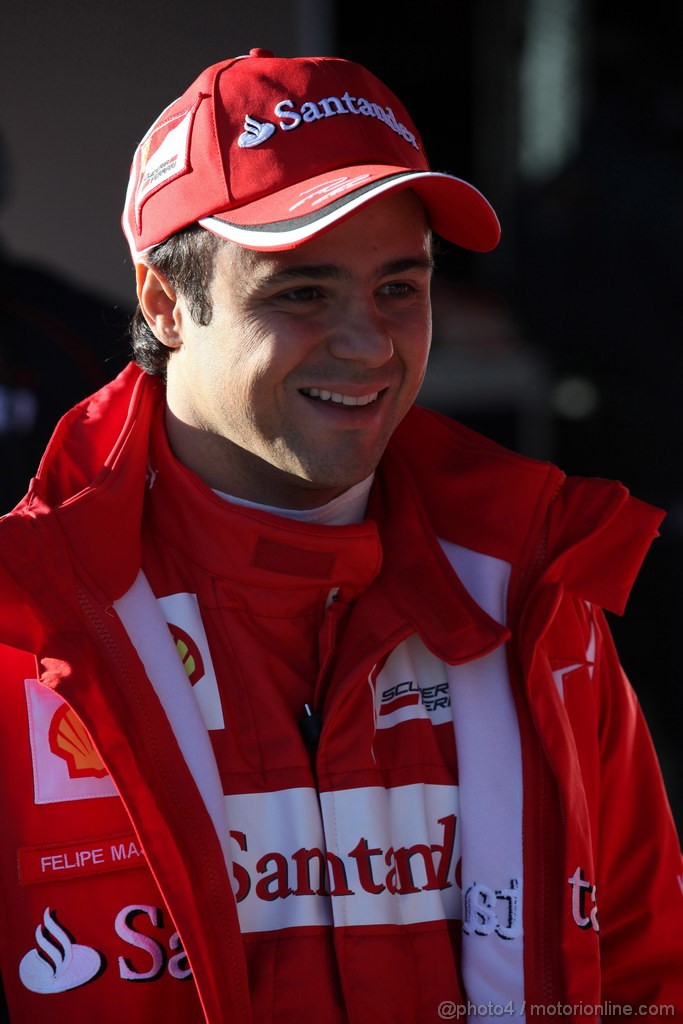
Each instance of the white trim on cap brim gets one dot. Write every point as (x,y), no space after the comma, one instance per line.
(261,238)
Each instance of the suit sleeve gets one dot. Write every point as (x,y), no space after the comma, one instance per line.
(640,873)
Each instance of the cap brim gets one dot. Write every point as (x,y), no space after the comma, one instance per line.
(456,210)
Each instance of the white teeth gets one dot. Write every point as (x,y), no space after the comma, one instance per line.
(340,399)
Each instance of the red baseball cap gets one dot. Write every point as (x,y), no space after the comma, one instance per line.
(269,152)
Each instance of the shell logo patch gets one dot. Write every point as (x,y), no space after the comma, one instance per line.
(184,619)
(189,653)
(66,765)
(69,739)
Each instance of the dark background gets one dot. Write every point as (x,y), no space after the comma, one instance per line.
(587,279)
(564,343)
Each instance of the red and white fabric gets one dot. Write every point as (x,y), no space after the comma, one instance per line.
(483,783)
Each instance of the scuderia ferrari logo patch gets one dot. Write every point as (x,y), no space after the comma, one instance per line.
(411,685)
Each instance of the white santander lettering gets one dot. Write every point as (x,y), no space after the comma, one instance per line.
(178,965)
(154,959)
(580,889)
(332,106)
(125,930)
(289,118)
(483,915)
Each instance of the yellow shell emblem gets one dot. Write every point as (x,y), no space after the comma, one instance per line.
(70,740)
(189,652)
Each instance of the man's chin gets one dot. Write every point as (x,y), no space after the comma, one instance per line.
(310,487)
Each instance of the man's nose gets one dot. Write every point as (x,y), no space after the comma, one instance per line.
(362,334)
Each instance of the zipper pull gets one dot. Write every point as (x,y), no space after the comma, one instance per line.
(311,726)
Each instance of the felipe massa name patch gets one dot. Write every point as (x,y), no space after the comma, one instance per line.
(61,861)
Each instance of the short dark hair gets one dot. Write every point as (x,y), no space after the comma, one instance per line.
(187,260)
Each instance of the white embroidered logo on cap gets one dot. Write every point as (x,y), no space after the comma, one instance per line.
(255,132)
(329,189)
(290,117)
(162,156)
(333,106)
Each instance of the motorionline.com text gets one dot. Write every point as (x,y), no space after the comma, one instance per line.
(449,1010)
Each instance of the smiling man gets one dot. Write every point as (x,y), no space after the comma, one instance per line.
(310,709)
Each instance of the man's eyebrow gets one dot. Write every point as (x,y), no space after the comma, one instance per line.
(313,271)
(332,271)
(406,264)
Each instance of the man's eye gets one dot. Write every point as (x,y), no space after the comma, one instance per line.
(397,289)
(307,293)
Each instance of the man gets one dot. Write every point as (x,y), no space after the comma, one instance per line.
(310,710)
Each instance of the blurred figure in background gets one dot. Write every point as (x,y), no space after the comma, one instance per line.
(58,342)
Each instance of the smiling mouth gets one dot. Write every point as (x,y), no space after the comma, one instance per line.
(338,398)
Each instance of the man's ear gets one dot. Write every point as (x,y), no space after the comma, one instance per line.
(159,304)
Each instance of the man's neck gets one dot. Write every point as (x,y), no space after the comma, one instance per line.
(345,509)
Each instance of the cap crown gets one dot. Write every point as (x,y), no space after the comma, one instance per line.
(251,126)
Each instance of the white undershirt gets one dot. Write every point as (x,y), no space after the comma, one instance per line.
(345,509)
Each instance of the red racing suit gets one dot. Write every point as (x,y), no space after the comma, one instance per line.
(494,819)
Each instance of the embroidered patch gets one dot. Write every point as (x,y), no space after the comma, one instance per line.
(584,905)
(66,765)
(61,861)
(184,619)
(379,856)
(412,685)
(59,964)
(291,117)
(164,156)
(493,911)
(255,132)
